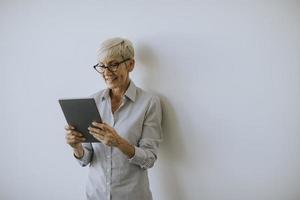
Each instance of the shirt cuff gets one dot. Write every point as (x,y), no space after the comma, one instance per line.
(139,157)
(85,159)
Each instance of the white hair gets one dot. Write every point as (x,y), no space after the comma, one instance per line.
(115,48)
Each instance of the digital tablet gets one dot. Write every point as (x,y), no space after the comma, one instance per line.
(80,113)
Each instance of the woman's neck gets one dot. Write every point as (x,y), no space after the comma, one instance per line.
(119,92)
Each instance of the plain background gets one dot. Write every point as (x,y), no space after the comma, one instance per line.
(227,73)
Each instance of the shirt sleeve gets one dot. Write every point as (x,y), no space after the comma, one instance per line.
(146,151)
(87,154)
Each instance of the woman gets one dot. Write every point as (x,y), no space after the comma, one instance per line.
(129,135)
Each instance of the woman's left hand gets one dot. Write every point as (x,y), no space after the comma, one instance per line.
(105,134)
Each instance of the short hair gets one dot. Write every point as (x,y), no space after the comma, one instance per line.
(115,48)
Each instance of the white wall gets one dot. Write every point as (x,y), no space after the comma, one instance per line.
(227,73)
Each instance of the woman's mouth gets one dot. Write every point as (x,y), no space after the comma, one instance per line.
(110,79)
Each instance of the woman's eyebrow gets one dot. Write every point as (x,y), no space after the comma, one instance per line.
(113,62)
(110,62)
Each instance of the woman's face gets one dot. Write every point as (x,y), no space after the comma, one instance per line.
(119,78)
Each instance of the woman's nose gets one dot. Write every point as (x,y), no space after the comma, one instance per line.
(106,71)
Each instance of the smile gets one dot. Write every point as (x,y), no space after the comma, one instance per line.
(110,79)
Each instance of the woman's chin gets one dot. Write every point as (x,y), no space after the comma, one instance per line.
(110,85)
(110,81)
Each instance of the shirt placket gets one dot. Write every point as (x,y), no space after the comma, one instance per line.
(108,172)
(109,158)
(112,122)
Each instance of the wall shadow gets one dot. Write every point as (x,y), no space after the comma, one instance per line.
(172,152)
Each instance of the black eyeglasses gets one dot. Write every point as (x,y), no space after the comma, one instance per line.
(112,67)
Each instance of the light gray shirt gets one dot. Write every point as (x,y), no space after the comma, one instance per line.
(112,176)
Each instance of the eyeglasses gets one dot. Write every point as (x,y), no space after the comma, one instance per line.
(112,67)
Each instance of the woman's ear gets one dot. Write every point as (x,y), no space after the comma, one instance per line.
(131,65)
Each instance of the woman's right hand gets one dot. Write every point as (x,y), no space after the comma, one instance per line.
(73,137)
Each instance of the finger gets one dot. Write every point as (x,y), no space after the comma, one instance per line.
(72,137)
(80,139)
(90,128)
(96,130)
(107,127)
(68,127)
(75,139)
(70,140)
(70,133)
(97,135)
(97,124)
(98,138)
(75,133)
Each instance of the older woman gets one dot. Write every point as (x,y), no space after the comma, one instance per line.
(129,135)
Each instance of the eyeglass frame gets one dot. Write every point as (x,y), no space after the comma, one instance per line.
(109,66)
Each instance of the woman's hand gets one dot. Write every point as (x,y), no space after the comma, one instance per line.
(109,136)
(73,137)
(105,134)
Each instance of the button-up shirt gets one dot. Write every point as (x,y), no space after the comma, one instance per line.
(112,175)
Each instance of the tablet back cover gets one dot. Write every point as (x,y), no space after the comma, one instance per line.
(80,113)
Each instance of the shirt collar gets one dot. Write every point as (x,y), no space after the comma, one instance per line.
(105,94)
(130,92)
